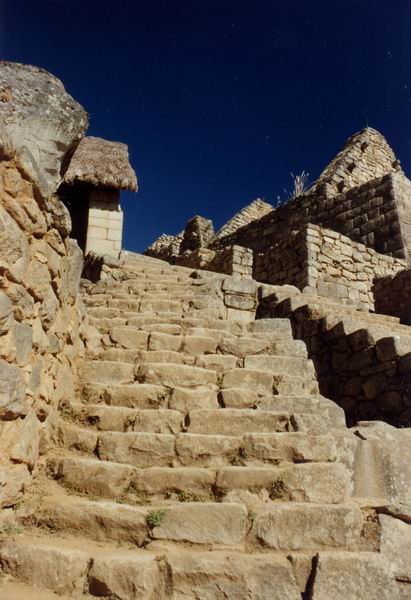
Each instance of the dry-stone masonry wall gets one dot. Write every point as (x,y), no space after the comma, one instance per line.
(249,213)
(40,268)
(232,260)
(198,233)
(392,295)
(326,263)
(370,214)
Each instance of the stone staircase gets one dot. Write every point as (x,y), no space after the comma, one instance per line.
(198,461)
(362,359)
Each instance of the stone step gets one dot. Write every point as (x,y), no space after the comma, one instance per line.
(231,421)
(137,357)
(175,375)
(140,395)
(305,526)
(222,421)
(267,382)
(21,591)
(325,306)
(281,365)
(142,449)
(148,396)
(218,341)
(119,418)
(305,482)
(80,569)
(193,522)
(375,332)
(104,371)
(191,354)
(167,570)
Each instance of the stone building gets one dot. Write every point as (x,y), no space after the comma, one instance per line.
(98,170)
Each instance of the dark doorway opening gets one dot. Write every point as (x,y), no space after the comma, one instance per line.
(76,199)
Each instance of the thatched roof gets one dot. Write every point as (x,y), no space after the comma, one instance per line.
(102,164)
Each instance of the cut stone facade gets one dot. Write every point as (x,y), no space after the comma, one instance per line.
(326,263)
(105,223)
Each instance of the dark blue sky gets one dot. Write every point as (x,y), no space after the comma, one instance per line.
(219,100)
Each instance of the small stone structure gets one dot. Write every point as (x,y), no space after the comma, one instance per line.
(96,173)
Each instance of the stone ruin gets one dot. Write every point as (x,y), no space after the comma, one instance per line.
(225,417)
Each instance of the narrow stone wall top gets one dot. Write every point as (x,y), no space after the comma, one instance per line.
(39,122)
(252,212)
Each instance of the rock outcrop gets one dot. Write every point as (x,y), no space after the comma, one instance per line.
(39,122)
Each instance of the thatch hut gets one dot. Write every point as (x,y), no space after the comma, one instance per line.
(98,170)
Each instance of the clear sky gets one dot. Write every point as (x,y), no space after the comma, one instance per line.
(219,100)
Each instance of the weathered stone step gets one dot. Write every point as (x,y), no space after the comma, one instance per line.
(230,421)
(149,396)
(142,449)
(197,573)
(175,375)
(326,306)
(213,340)
(21,591)
(138,395)
(80,570)
(197,523)
(193,352)
(222,421)
(142,396)
(104,371)
(305,526)
(308,482)
(281,365)
(267,382)
(119,418)
(136,356)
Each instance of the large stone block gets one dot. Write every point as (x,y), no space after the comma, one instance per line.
(364,576)
(14,247)
(12,391)
(219,576)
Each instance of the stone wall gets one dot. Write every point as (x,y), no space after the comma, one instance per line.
(231,260)
(105,222)
(367,372)
(40,324)
(365,156)
(249,213)
(326,263)
(393,295)
(41,319)
(372,214)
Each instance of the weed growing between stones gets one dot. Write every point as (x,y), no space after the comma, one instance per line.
(8,530)
(277,489)
(184,496)
(154,518)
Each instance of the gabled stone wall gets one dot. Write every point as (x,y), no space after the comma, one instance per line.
(372,214)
